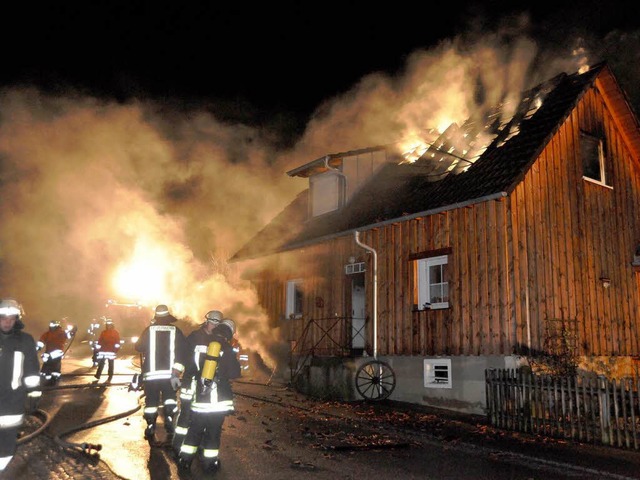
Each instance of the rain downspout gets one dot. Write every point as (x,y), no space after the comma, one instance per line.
(375,292)
(526,299)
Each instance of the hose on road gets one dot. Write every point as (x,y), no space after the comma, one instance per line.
(89,448)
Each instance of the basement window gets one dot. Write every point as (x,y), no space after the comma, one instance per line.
(294,299)
(437,373)
(433,282)
(593,161)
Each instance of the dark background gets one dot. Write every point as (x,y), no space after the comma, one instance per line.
(256,62)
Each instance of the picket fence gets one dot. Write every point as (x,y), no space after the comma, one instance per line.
(583,408)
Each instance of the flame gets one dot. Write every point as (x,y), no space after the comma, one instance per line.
(144,276)
(415,143)
(443,124)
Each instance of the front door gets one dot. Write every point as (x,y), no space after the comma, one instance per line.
(358,314)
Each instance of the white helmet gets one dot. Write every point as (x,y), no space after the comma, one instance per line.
(9,307)
(230,324)
(214,316)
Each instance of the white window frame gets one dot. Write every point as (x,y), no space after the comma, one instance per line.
(596,148)
(294,288)
(437,373)
(426,283)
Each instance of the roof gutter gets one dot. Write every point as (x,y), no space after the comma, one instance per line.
(375,292)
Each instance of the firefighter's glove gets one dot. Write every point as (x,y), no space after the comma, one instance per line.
(176,383)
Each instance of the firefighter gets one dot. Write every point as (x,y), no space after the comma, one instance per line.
(163,347)
(19,377)
(212,398)
(107,348)
(53,342)
(93,341)
(197,342)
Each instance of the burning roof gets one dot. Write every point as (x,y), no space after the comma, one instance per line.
(484,158)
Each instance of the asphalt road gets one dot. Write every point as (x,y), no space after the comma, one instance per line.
(277,433)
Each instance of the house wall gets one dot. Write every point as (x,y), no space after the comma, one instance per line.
(333,378)
(524,270)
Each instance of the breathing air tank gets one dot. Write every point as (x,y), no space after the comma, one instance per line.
(211,361)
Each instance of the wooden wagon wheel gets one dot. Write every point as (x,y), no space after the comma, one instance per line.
(375,380)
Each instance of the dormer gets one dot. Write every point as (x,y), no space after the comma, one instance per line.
(334,178)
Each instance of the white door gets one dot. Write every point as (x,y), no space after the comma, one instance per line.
(358,333)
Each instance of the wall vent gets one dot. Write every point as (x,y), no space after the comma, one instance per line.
(352,268)
(437,373)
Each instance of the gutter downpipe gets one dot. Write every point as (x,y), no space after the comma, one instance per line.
(375,292)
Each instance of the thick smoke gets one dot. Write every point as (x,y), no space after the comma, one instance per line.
(93,191)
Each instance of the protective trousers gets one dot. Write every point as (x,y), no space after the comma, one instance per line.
(183,419)
(51,369)
(101,367)
(9,427)
(154,390)
(204,432)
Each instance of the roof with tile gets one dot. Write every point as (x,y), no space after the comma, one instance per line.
(401,191)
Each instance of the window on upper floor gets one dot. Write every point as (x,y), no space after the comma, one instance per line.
(432,282)
(294,296)
(593,158)
(327,192)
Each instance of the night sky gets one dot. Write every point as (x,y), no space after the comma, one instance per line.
(259,62)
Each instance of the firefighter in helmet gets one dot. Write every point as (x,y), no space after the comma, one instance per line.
(197,342)
(53,343)
(163,346)
(107,348)
(212,396)
(19,377)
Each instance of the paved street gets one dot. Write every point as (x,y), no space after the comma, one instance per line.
(277,433)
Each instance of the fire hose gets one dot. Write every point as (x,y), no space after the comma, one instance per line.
(45,423)
(84,447)
(90,448)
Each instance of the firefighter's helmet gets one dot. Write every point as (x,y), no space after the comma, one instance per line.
(226,328)
(214,316)
(108,322)
(162,313)
(9,307)
(54,324)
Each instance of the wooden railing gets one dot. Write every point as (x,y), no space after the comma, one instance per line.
(587,409)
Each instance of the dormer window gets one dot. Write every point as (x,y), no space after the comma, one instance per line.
(593,161)
(327,192)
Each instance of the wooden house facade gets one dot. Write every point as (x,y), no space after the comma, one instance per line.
(452,264)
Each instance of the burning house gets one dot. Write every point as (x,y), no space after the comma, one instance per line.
(502,242)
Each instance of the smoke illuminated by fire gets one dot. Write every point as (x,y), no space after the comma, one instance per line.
(143,277)
(142,204)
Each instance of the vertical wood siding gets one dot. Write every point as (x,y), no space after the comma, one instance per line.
(522,269)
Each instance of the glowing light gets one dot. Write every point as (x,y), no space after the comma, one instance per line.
(144,276)
(443,124)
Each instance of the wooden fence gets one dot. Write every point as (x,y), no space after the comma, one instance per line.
(587,409)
